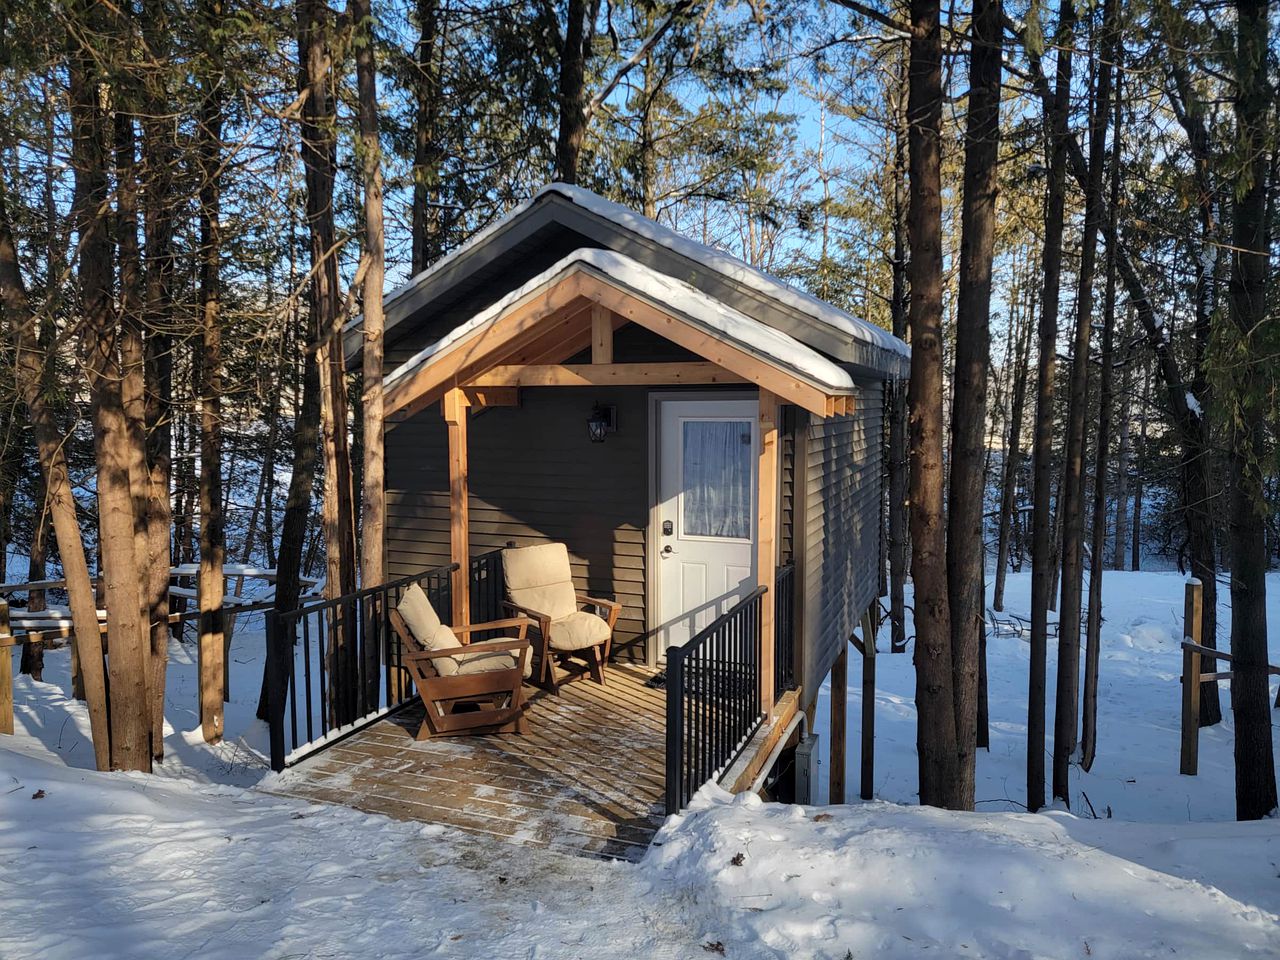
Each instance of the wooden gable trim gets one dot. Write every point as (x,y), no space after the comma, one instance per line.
(605,375)
(578,311)
(750,368)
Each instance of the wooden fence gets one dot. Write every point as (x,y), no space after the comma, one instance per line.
(1194,653)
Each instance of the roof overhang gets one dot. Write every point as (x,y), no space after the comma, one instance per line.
(559,211)
(522,339)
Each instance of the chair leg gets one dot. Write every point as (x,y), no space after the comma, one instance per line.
(597,666)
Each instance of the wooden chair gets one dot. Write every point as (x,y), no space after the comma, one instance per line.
(540,586)
(466,688)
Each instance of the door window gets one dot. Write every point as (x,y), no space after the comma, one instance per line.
(716,459)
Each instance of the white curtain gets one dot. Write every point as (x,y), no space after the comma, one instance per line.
(717,478)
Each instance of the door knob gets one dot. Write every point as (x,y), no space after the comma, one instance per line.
(667,551)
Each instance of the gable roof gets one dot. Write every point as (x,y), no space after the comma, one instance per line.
(562,219)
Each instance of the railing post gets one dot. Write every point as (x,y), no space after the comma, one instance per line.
(1191,630)
(675,729)
(275,689)
(6,673)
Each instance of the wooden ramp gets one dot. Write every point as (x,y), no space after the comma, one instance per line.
(588,778)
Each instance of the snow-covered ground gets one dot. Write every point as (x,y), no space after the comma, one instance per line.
(195,862)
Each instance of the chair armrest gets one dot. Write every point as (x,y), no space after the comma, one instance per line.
(521,622)
(480,646)
(613,606)
(543,620)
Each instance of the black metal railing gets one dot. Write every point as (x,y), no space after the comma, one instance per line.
(784,630)
(488,591)
(335,665)
(713,698)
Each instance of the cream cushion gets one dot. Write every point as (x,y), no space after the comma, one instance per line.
(486,661)
(538,579)
(578,631)
(425,625)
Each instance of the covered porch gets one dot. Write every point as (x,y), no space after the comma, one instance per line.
(588,778)
(479,458)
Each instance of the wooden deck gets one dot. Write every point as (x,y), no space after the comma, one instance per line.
(588,778)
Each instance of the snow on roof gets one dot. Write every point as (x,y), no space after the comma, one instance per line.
(730,266)
(709,257)
(676,296)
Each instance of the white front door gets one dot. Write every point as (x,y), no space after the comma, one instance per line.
(707,451)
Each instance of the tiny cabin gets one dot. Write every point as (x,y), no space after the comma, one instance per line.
(706,441)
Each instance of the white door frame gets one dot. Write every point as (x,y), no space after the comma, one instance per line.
(653,537)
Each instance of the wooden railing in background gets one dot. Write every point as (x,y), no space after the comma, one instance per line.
(1194,653)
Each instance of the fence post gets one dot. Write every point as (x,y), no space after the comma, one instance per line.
(675,729)
(868,771)
(275,690)
(1192,619)
(6,673)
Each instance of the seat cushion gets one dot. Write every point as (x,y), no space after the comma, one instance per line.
(538,578)
(578,631)
(487,661)
(421,619)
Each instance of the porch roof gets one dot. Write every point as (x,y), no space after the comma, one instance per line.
(760,353)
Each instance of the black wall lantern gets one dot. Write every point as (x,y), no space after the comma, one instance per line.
(601,423)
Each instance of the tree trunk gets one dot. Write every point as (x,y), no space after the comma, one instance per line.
(935,705)
(427,153)
(899,538)
(1013,453)
(1139,475)
(1066,704)
(1255,343)
(1042,564)
(1122,455)
(1089,716)
(158,150)
(210,587)
(965,554)
(572,96)
(373,523)
(127,635)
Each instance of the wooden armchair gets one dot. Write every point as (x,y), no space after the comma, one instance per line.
(540,586)
(465,687)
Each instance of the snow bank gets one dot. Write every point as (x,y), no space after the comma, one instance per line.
(882,880)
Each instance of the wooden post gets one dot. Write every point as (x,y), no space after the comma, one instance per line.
(839,724)
(455,415)
(766,538)
(1192,618)
(6,673)
(601,334)
(868,704)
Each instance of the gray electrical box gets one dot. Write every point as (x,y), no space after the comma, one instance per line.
(807,770)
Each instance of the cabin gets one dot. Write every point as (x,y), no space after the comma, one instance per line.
(708,443)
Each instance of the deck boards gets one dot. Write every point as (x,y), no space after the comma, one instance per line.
(588,778)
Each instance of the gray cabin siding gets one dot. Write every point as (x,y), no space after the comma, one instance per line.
(534,478)
(841,536)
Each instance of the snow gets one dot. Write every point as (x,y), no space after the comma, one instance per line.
(1193,404)
(676,296)
(730,266)
(709,257)
(198,860)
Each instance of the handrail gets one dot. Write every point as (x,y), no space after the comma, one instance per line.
(334,666)
(1214,654)
(713,698)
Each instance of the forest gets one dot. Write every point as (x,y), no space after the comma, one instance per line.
(1068,210)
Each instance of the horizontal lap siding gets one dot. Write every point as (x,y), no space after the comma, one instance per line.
(842,530)
(534,478)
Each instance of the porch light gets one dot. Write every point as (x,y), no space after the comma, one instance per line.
(598,424)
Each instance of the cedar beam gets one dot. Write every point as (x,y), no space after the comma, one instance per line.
(601,334)
(766,537)
(604,375)
(482,397)
(455,416)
